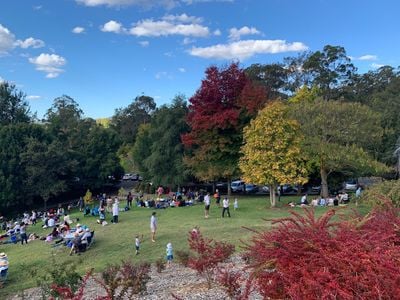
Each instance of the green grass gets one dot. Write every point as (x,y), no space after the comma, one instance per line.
(115,242)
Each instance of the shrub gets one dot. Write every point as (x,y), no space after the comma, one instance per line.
(160,265)
(62,275)
(126,280)
(232,282)
(183,257)
(313,258)
(380,193)
(207,254)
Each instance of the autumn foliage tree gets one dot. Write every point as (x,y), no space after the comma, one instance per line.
(305,257)
(217,114)
(271,150)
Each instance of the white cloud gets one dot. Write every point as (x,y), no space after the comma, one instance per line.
(33,97)
(7,40)
(368,57)
(49,63)
(150,27)
(235,34)
(187,41)
(144,43)
(245,49)
(1,80)
(160,75)
(78,30)
(182,70)
(143,3)
(30,42)
(217,32)
(113,26)
(37,7)
(376,66)
(183,18)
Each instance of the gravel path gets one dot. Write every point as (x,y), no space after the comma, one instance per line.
(176,279)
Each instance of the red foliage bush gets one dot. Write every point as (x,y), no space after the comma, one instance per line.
(207,254)
(313,258)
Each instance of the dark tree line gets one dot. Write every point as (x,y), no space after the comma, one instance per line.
(42,159)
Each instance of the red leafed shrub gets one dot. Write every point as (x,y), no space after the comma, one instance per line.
(207,254)
(67,293)
(233,283)
(305,257)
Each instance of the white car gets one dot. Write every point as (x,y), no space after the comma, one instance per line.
(237,186)
(350,185)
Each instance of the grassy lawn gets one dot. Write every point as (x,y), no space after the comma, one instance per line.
(115,242)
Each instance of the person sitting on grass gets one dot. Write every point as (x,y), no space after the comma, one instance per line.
(76,243)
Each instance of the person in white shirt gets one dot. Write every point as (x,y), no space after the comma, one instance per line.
(153,226)
(206,205)
(115,211)
(225,207)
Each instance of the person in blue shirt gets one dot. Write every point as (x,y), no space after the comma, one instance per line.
(170,255)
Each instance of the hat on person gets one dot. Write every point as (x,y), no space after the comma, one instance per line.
(87,229)
(78,225)
(3,255)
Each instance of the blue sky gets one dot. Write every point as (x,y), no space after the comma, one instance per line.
(104,53)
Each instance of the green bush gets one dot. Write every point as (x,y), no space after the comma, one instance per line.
(381,193)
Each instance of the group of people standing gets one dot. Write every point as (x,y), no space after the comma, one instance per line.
(225,204)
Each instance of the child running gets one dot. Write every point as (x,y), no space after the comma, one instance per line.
(137,244)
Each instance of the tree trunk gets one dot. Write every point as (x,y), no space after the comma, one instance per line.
(272,197)
(229,186)
(324,183)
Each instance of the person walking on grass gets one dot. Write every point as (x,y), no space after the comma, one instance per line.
(225,207)
(115,211)
(235,204)
(206,205)
(153,226)
(137,244)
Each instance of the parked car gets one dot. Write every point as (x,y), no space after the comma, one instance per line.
(129,176)
(265,189)
(251,188)
(350,185)
(237,186)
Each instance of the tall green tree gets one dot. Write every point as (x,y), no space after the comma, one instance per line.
(13,107)
(329,70)
(126,121)
(45,168)
(336,135)
(163,160)
(271,150)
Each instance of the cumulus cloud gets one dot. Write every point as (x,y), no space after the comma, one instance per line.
(245,49)
(235,34)
(368,57)
(144,43)
(113,26)
(217,32)
(78,30)
(33,97)
(51,64)
(142,3)
(182,70)
(30,43)
(163,27)
(8,41)
(376,66)
(1,80)
(183,18)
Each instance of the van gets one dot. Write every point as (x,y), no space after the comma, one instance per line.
(237,186)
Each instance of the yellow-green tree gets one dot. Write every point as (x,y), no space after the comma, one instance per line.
(271,150)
